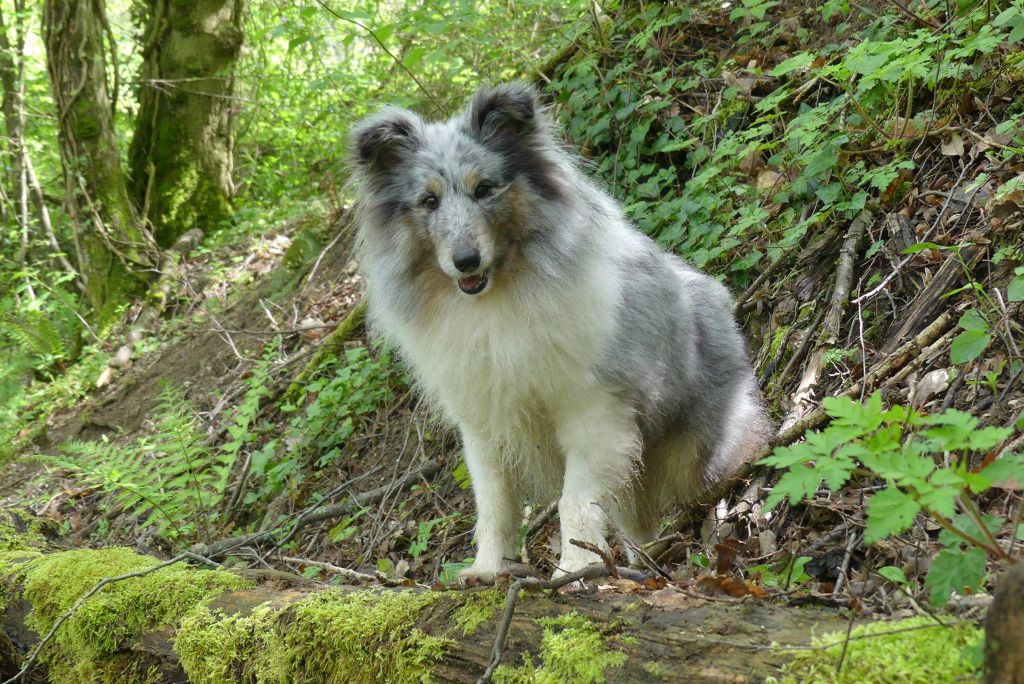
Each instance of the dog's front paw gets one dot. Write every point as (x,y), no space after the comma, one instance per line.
(477,576)
(569,564)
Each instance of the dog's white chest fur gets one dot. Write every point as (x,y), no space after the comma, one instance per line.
(504,362)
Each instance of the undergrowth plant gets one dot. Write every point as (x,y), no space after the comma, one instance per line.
(170,478)
(321,418)
(927,465)
(732,180)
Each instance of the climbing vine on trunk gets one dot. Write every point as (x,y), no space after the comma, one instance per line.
(113,248)
(181,154)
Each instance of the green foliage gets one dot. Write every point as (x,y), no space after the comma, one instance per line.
(323,415)
(347,390)
(170,478)
(925,461)
(316,72)
(915,651)
(784,575)
(725,182)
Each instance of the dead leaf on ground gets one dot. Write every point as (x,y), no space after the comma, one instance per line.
(952,145)
(729,585)
(931,384)
(767,179)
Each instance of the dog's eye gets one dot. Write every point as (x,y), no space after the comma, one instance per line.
(431,202)
(483,190)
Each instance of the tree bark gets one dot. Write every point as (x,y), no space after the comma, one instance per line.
(181,154)
(13,106)
(113,250)
(1004,630)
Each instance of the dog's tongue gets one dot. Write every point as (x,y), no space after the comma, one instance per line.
(470,282)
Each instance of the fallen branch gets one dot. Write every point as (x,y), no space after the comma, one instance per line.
(320,513)
(354,575)
(188,648)
(833,318)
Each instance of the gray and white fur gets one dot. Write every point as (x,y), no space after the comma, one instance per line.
(577,358)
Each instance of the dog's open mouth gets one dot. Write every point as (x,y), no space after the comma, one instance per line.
(473,284)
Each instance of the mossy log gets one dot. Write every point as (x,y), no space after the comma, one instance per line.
(182,623)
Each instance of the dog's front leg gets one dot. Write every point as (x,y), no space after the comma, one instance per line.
(497,510)
(599,438)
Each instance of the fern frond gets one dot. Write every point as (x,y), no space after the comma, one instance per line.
(169,478)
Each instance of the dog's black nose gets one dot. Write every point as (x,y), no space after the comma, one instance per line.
(467,260)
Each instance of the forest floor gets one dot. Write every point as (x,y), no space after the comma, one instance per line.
(893,278)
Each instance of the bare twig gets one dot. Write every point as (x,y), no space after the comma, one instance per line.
(844,567)
(802,349)
(321,513)
(603,553)
(382,46)
(593,571)
(354,575)
(907,259)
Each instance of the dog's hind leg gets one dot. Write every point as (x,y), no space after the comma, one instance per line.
(744,430)
(599,438)
(498,509)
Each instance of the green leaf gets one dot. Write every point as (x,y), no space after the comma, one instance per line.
(834,470)
(939,500)
(450,571)
(893,574)
(904,467)
(972,319)
(788,456)
(889,512)
(920,247)
(968,346)
(798,484)
(954,570)
(799,61)
(1015,292)
(965,524)
(1008,467)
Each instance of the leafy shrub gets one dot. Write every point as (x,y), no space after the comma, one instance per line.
(925,462)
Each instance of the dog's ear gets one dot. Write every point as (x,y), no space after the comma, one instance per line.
(504,114)
(381,141)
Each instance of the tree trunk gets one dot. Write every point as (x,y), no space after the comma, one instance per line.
(181,154)
(1004,630)
(12,82)
(113,249)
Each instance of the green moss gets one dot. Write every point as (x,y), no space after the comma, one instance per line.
(329,637)
(477,608)
(571,650)
(781,333)
(218,649)
(117,614)
(355,637)
(658,670)
(924,653)
(20,542)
